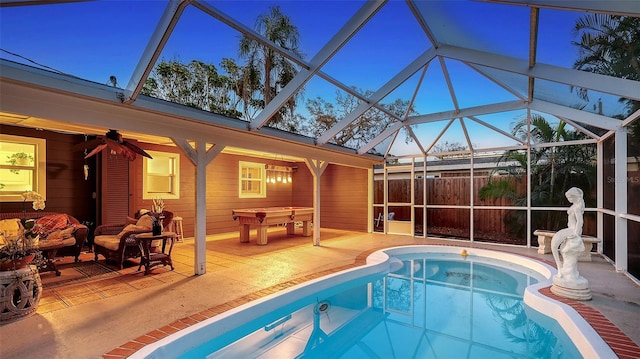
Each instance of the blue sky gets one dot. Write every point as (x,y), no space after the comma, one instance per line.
(94,40)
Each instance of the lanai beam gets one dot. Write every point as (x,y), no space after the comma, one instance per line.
(629,8)
(163,30)
(387,88)
(602,83)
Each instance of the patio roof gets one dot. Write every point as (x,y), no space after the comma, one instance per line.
(468,69)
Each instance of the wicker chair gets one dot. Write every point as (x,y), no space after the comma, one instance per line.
(80,234)
(112,248)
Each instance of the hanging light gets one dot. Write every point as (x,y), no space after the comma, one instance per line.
(278,174)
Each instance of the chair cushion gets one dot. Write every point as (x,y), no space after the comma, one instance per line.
(10,227)
(131,227)
(59,242)
(108,241)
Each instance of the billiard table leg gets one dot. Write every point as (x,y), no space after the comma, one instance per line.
(306,228)
(262,235)
(244,233)
(290,228)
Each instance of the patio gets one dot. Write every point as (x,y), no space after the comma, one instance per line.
(444,91)
(118,314)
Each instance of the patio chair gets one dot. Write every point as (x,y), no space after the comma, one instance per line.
(117,242)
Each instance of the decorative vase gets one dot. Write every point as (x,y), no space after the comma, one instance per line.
(156,228)
(20,292)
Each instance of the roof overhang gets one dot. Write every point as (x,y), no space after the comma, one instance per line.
(33,92)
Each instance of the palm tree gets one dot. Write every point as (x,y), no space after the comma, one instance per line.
(265,63)
(553,171)
(610,45)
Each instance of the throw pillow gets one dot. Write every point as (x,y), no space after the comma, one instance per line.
(146,221)
(141,212)
(10,227)
(129,228)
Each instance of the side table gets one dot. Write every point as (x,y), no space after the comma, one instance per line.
(151,259)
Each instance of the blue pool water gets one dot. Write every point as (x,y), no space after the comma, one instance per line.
(425,308)
(407,302)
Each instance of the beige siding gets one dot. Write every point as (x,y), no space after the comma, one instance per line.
(344,198)
(344,189)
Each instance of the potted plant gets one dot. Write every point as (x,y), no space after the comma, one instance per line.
(19,277)
(17,252)
(20,159)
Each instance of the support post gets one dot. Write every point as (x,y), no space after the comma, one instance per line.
(200,263)
(316,167)
(621,199)
(200,157)
(600,194)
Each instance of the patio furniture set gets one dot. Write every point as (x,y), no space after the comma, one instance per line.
(63,235)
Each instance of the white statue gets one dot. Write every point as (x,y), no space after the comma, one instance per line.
(568,241)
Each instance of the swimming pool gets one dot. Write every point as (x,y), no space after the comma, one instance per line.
(406,302)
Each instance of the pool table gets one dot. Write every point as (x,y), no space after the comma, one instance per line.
(262,218)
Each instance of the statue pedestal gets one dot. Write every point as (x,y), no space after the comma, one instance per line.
(577,289)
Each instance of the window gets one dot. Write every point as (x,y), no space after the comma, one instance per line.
(252,180)
(161,177)
(22,167)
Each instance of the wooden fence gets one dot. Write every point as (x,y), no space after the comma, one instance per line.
(489,224)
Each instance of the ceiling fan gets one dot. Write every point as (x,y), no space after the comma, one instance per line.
(114,142)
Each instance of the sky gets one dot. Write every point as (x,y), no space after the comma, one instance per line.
(95,40)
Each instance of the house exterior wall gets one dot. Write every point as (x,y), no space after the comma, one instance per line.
(343,196)
(343,189)
(67,191)
(222,191)
(343,193)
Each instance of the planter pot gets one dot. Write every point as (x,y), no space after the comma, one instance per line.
(20,292)
(18,263)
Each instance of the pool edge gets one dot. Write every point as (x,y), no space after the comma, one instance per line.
(588,341)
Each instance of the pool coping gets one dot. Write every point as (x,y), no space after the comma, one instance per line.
(615,339)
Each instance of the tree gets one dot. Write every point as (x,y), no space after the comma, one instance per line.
(610,45)
(266,70)
(240,91)
(454,146)
(196,84)
(324,115)
(241,81)
(447,146)
(553,171)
